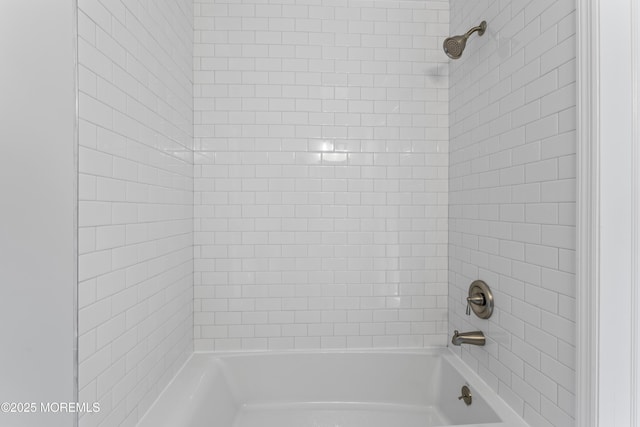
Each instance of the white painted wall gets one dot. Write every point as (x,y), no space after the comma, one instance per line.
(616,199)
(512,199)
(37,207)
(320,174)
(135,202)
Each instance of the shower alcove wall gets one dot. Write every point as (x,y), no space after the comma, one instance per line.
(279,176)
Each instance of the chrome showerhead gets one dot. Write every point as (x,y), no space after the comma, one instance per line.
(454,46)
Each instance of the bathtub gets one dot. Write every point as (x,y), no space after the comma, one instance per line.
(327,389)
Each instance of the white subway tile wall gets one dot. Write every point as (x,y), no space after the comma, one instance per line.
(321,138)
(135,202)
(512,193)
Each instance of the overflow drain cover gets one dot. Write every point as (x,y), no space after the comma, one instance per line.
(466,395)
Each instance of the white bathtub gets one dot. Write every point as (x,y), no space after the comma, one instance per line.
(327,389)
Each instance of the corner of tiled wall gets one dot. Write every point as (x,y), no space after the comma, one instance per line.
(135,203)
(512,199)
(320,174)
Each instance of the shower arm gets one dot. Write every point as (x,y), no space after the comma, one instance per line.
(480,29)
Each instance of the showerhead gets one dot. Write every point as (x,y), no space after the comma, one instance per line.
(454,46)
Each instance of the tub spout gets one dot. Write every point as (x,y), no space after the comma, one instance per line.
(475,338)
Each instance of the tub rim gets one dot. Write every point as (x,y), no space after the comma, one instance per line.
(508,416)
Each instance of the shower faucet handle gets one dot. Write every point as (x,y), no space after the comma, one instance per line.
(480,300)
(477,300)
